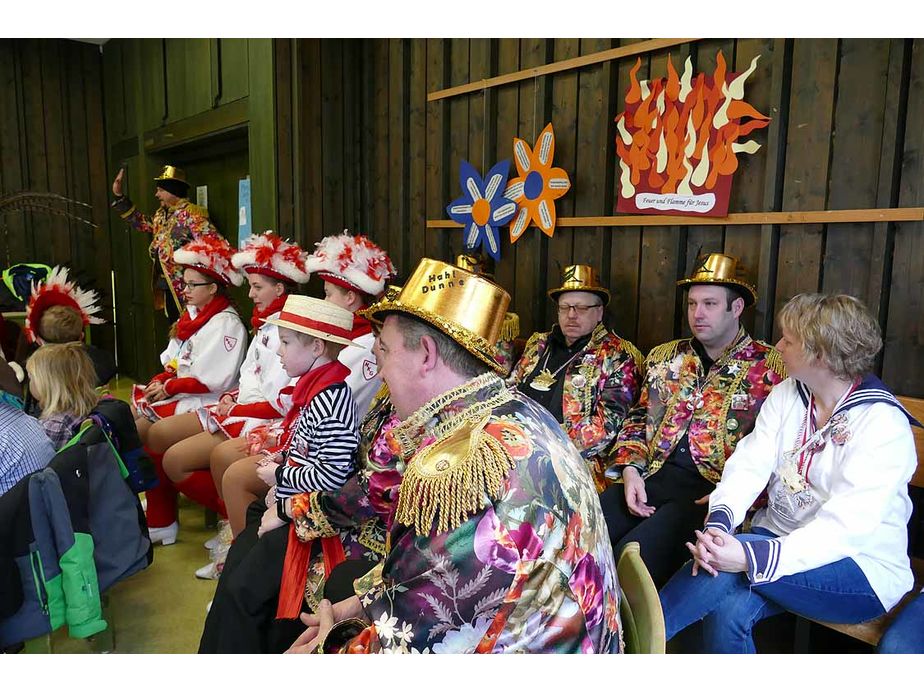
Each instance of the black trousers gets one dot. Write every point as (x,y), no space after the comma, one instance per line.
(243,614)
(672,491)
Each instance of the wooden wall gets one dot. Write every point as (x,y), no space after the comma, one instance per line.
(52,140)
(364,149)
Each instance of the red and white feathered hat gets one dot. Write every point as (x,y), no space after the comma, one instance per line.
(353,262)
(56,290)
(211,255)
(271,256)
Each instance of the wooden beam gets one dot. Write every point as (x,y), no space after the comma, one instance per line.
(559,66)
(212,122)
(834,216)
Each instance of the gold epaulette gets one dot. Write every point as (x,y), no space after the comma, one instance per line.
(775,361)
(634,353)
(664,352)
(510,329)
(380,394)
(452,478)
(197,210)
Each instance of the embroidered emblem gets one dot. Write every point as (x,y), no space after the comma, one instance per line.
(840,435)
(740,401)
(370,369)
(230,342)
(579,381)
(265,340)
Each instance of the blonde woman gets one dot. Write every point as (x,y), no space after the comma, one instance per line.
(62,379)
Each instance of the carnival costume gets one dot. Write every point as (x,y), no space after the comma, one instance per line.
(355,263)
(170,229)
(498,543)
(690,415)
(203,360)
(835,522)
(588,386)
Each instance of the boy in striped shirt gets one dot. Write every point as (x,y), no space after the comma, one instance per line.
(320,453)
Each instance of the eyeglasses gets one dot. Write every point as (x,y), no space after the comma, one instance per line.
(184,285)
(564,308)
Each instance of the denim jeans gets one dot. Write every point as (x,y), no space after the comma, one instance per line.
(730,606)
(906,634)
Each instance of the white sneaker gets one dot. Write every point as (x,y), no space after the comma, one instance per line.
(208,572)
(164,535)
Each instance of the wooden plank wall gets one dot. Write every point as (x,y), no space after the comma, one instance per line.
(52,140)
(845,134)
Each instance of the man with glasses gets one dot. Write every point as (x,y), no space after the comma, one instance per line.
(581,371)
(700,397)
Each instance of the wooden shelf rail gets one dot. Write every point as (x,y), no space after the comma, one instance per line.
(831,216)
(560,66)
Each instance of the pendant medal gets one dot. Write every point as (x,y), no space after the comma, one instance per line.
(544,381)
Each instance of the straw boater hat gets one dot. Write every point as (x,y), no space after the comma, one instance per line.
(273,257)
(464,306)
(56,290)
(210,255)
(318,318)
(351,262)
(717,268)
(580,278)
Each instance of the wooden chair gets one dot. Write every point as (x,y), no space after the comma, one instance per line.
(871,632)
(639,605)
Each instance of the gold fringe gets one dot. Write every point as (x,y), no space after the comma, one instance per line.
(775,362)
(635,354)
(510,329)
(664,352)
(453,478)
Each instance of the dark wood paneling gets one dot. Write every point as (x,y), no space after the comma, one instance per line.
(234,69)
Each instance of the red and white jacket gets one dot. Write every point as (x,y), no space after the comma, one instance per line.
(199,369)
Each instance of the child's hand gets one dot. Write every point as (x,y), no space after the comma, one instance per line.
(267,472)
(224,405)
(155,392)
(270,521)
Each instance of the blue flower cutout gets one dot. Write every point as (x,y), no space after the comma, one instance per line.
(482,209)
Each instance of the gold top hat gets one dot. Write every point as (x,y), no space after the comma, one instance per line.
(475,264)
(316,317)
(468,308)
(716,268)
(172,173)
(580,278)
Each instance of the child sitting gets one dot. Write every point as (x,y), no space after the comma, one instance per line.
(320,453)
(62,379)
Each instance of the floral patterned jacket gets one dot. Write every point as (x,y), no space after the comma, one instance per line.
(600,387)
(360,510)
(717,408)
(170,228)
(498,543)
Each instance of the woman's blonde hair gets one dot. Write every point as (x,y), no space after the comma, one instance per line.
(63,379)
(836,329)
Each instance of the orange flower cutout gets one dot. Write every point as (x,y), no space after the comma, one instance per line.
(537,185)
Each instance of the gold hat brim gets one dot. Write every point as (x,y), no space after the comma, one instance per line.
(314,333)
(604,294)
(474,344)
(750,295)
(172,173)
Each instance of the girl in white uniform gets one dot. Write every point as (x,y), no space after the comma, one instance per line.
(200,363)
(354,270)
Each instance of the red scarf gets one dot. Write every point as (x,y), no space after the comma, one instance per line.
(258,316)
(308,385)
(298,553)
(361,326)
(188,325)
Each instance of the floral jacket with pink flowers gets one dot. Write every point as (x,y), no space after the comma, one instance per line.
(601,385)
(716,409)
(170,228)
(498,543)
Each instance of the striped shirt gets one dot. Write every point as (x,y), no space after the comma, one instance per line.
(322,453)
(24,447)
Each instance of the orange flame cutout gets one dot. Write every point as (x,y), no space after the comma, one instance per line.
(679,134)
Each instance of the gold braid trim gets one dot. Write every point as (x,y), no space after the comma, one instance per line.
(775,362)
(368,537)
(664,352)
(454,477)
(510,329)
